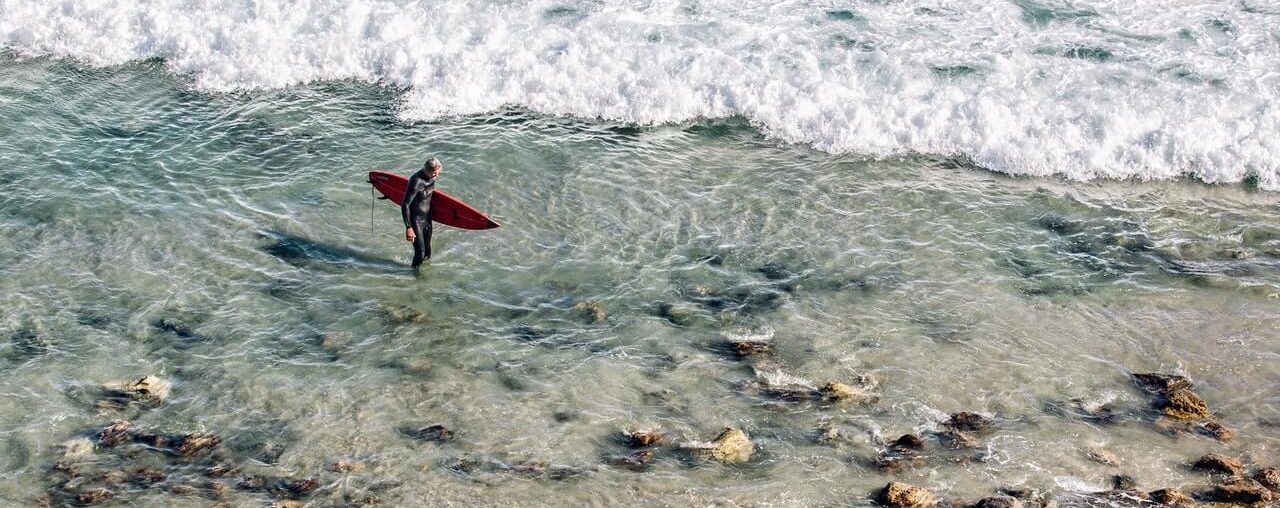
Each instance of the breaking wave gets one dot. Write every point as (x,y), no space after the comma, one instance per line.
(1140,89)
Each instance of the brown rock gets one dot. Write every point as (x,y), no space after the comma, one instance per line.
(433,433)
(147,388)
(903,495)
(181,489)
(1033,498)
(908,442)
(591,312)
(1102,456)
(220,470)
(969,422)
(288,503)
(78,448)
(403,314)
(957,440)
(293,489)
(117,433)
(751,347)
(636,461)
(1219,463)
(335,341)
(999,502)
(1170,497)
(92,496)
(189,445)
(1217,431)
(114,477)
(147,476)
(828,433)
(1123,482)
(1240,491)
(1161,384)
(638,438)
(251,482)
(1185,405)
(1269,477)
(732,445)
(840,392)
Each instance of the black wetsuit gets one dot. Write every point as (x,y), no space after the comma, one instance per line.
(416,208)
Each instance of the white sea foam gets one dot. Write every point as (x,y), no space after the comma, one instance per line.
(1143,89)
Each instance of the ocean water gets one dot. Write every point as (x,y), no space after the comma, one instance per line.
(1003,209)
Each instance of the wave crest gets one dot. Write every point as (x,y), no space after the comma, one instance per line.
(1150,89)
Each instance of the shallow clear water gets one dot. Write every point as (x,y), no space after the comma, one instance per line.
(223,241)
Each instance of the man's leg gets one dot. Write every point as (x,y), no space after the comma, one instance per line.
(427,227)
(420,241)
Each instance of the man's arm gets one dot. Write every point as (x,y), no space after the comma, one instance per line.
(410,191)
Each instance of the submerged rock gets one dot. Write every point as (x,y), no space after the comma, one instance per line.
(780,385)
(148,388)
(119,432)
(1185,405)
(1175,398)
(93,496)
(1090,411)
(1217,431)
(1169,497)
(1240,491)
(1102,456)
(1161,384)
(638,460)
(677,315)
(402,314)
(828,433)
(77,448)
(431,433)
(638,438)
(957,440)
(1269,477)
(1030,497)
(751,346)
(528,468)
(193,444)
(970,422)
(904,495)
(1124,482)
(999,502)
(147,476)
(730,447)
(346,466)
(894,460)
(291,488)
(906,442)
(843,393)
(591,312)
(1219,463)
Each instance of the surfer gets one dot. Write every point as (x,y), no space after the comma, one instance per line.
(416,209)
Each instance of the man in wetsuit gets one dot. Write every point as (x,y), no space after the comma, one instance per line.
(416,209)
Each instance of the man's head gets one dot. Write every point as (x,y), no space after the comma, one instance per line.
(432,167)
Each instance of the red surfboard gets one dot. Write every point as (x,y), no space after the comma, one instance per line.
(445,209)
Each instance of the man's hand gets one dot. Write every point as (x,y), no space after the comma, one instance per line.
(409,236)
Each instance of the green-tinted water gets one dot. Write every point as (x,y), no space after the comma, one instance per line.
(223,242)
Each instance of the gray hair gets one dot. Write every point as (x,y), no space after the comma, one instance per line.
(432,163)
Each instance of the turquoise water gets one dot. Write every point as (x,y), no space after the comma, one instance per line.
(226,242)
